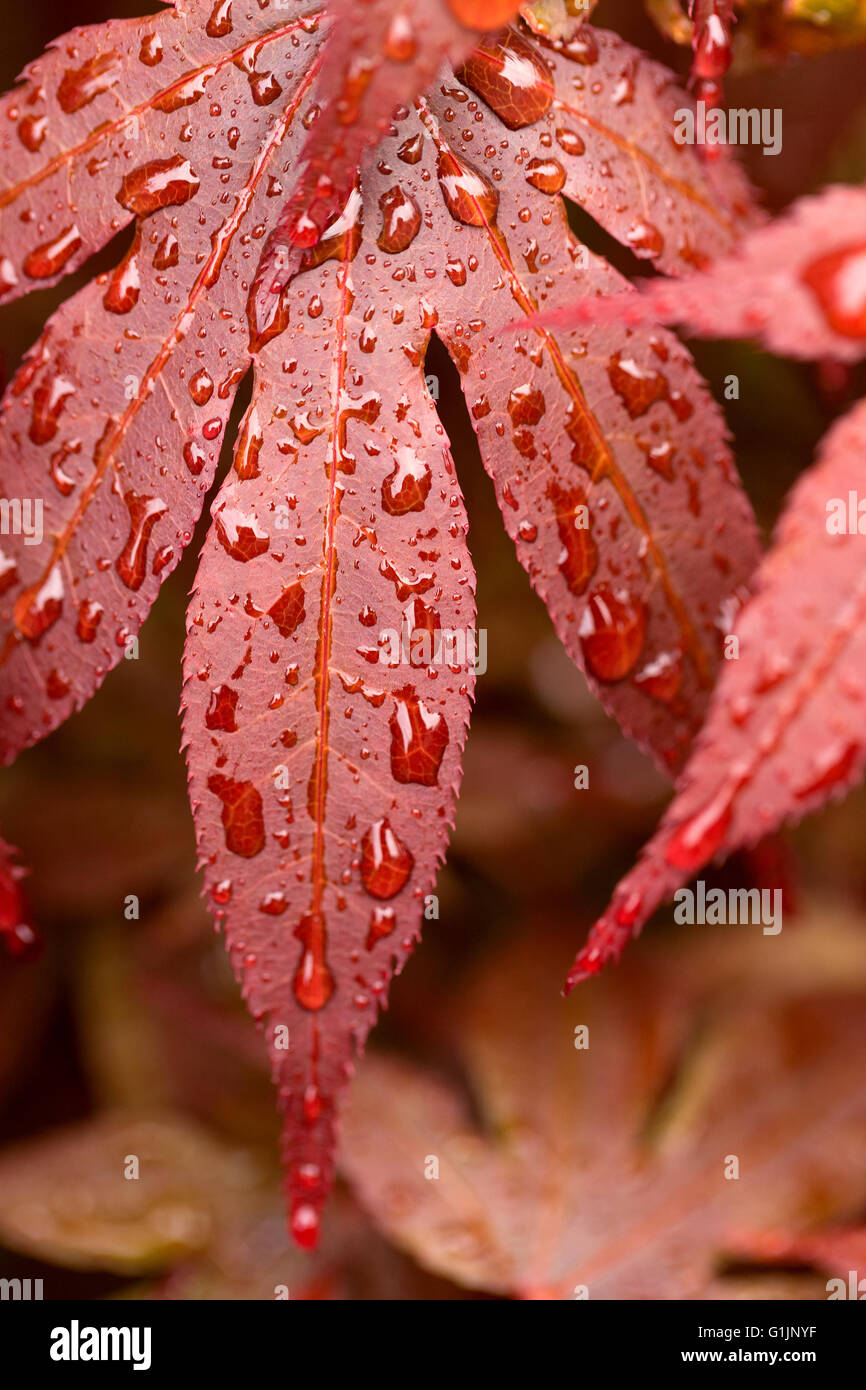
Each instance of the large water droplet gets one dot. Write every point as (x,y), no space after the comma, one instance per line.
(419,737)
(49,259)
(386,863)
(401,220)
(578,559)
(144,512)
(612,632)
(240,534)
(838,281)
(221,713)
(242,815)
(160,183)
(220,22)
(406,489)
(288,610)
(547,175)
(313,983)
(79,86)
(469,196)
(508,74)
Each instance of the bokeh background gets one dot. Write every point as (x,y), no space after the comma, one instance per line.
(129,1037)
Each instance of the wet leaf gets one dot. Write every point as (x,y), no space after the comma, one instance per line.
(330,653)
(785,729)
(798,286)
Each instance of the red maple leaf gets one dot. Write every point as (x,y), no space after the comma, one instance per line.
(328,667)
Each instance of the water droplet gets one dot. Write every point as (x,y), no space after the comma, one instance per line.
(288,610)
(578,559)
(264,87)
(662,677)
(640,387)
(49,402)
(400,42)
(242,817)
(645,240)
(194,457)
(150,52)
(124,287)
(8,278)
(547,175)
(469,196)
(401,221)
(660,456)
(406,489)
(221,712)
(570,142)
(201,387)
(49,259)
(39,606)
(240,534)
(166,254)
(834,768)
(313,983)
(411,150)
(382,923)
(80,86)
(386,863)
(220,22)
(612,632)
(160,183)
(698,838)
(838,281)
(144,512)
(90,615)
(507,73)
(419,737)
(305,1226)
(32,131)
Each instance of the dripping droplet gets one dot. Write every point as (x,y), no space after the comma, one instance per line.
(313,983)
